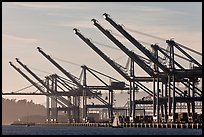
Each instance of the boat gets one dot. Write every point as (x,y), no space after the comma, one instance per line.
(116,122)
(22,123)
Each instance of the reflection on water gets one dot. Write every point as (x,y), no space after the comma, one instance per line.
(66,130)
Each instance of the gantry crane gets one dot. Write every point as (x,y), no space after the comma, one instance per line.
(177,45)
(62,99)
(27,78)
(168,76)
(182,80)
(188,84)
(73,78)
(131,54)
(171,72)
(135,42)
(151,57)
(119,69)
(114,64)
(48,94)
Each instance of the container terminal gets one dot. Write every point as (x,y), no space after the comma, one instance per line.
(162,106)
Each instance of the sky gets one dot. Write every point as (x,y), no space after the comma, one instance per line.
(49,25)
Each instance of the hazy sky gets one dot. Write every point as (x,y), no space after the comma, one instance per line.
(50,26)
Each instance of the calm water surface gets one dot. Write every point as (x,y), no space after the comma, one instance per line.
(70,130)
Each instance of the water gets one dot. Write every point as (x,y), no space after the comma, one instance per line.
(70,130)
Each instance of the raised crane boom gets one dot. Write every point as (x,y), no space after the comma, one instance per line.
(110,62)
(177,45)
(135,42)
(60,68)
(32,82)
(70,76)
(27,78)
(62,99)
(156,47)
(106,58)
(131,54)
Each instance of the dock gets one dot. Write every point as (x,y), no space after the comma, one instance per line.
(131,125)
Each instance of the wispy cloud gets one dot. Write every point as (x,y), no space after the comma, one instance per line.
(158,10)
(52,5)
(64,15)
(38,5)
(77,24)
(11,38)
(54,14)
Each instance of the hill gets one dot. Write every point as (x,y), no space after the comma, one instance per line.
(13,110)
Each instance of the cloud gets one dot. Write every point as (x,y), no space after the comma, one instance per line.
(16,39)
(54,14)
(52,5)
(76,24)
(64,15)
(38,5)
(158,10)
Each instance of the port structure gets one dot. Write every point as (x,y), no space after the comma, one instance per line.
(169,75)
(172,74)
(83,87)
(51,93)
(164,97)
(75,90)
(131,78)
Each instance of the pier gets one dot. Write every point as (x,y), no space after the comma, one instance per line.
(163,98)
(131,125)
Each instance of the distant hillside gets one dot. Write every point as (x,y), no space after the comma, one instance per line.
(13,110)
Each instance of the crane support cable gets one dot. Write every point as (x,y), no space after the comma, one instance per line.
(105,45)
(66,61)
(23,88)
(35,91)
(109,47)
(176,54)
(160,47)
(118,49)
(125,38)
(104,75)
(189,49)
(36,73)
(159,38)
(40,70)
(142,33)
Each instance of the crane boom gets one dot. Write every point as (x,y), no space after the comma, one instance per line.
(27,78)
(110,62)
(143,49)
(70,76)
(136,43)
(65,101)
(106,58)
(59,67)
(156,47)
(131,54)
(176,54)
(32,82)
(177,45)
